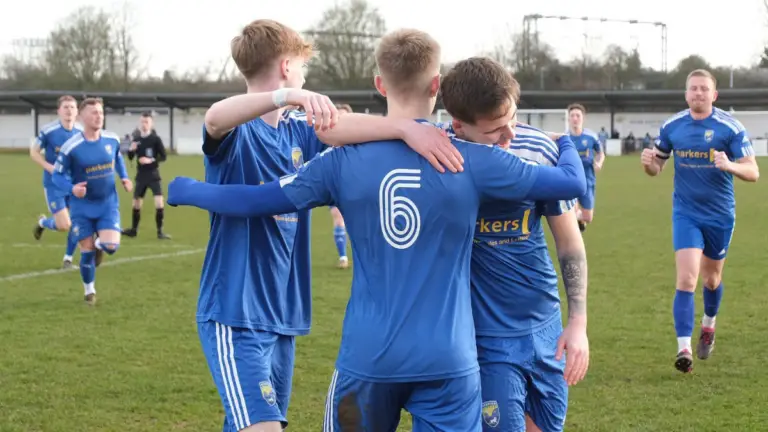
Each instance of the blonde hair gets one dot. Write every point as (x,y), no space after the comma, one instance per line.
(264,41)
(701,73)
(408,60)
(90,102)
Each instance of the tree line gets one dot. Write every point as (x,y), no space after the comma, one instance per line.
(93,49)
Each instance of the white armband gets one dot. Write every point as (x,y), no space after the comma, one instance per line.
(280,97)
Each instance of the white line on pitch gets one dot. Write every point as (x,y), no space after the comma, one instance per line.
(123,246)
(108,263)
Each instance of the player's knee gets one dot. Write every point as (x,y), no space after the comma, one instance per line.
(63,225)
(137,204)
(686,281)
(712,280)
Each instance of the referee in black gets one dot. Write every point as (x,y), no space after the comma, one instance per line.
(148,148)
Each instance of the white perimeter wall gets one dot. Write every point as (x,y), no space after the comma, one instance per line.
(16,131)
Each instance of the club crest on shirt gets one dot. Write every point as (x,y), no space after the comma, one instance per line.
(708,135)
(268,393)
(584,142)
(53,205)
(297,157)
(491,415)
(108,148)
(75,230)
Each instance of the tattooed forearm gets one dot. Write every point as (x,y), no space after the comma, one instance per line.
(573,266)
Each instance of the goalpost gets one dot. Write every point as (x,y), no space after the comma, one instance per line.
(550,120)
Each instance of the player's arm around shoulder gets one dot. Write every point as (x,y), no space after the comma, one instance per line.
(225,115)
(573,266)
(424,138)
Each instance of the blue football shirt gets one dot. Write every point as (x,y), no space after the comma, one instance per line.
(93,162)
(409,317)
(51,138)
(701,191)
(514,282)
(256,272)
(587,144)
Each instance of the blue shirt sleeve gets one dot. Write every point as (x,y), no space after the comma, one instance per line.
(309,143)
(41,141)
(217,150)
(122,172)
(503,176)
(663,144)
(740,146)
(234,200)
(596,145)
(557,208)
(315,183)
(62,172)
(310,187)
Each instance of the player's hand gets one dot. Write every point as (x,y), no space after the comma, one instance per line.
(78,190)
(128,185)
(177,190)
(434,145)
(145,160)
(134,146)
(722,162)
(647,157)
(321,112)
(574,342)
(597,166)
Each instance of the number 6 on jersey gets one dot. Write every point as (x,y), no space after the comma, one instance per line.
(400,235)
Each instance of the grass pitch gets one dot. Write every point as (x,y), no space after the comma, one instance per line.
(134,363)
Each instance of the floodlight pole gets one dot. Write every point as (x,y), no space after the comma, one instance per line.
(531,32)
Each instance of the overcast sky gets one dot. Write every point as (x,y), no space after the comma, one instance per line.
(180,35)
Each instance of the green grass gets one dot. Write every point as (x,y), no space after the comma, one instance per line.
(134,363)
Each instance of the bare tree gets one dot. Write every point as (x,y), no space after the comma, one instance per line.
(80,49)
(345,39)
(620,66)
(125,57)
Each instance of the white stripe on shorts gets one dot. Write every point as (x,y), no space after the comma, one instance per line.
(328,421)
(230,378)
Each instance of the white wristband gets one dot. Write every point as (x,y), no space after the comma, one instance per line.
(279,97)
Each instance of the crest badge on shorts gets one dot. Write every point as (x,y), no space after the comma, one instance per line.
(491,414)
(268,393)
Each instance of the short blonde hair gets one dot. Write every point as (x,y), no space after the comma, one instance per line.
(701,73)
(408,60)
(90,102)
(264,41)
